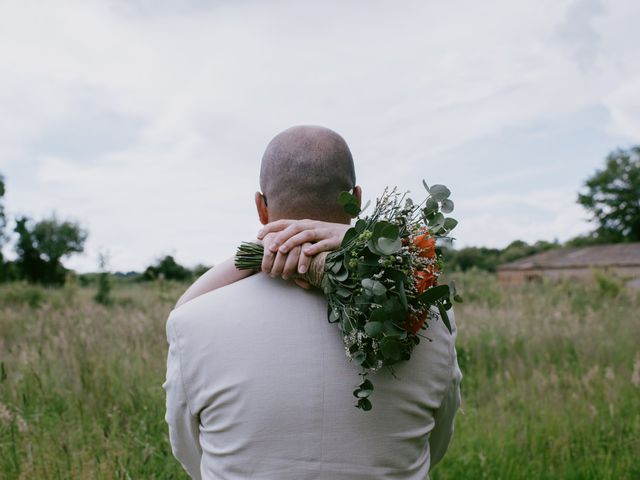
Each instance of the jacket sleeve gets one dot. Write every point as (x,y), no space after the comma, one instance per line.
(442,432)
(444,417)
(184,428)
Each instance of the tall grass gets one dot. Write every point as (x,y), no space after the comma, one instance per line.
(551,387)
(552,382)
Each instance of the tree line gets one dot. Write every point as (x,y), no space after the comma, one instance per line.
(40,246)
(611,196)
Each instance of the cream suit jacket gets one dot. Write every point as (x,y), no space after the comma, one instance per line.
(258,387)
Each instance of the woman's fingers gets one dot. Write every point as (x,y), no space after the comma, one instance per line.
(278,265)
(310,250)
(304,260)
(268,256)
(305,236)
(274,227)
(291,263)
(283,238)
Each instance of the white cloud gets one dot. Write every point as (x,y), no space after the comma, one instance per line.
(146,120)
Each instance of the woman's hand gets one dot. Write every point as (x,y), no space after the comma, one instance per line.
(290,244)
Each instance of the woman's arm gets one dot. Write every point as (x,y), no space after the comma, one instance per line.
(216,277)
(289,246)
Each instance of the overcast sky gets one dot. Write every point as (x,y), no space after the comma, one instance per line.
(146,120)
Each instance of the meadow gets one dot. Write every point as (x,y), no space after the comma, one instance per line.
(551,383)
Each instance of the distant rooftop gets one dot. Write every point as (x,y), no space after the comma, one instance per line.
(619,255)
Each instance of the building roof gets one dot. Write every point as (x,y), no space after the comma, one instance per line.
(619,254)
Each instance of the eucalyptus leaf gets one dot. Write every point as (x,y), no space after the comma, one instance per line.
(392,330)
(388,246)
(349,236)
(345,198)
(446,206)
(342,275)
(374,329)
(378,288)
(364,404)
(336,266)
(362,393)
(378,315)
(434,294)
(343,292)
(450,223)
(402,294)
(361,226)
(367,283)
(445,317)
(352,209)
(359,357)
(426,187)
(382,229)
(437,222)
(431,206)
(366,385)
(439,192)
(391,349)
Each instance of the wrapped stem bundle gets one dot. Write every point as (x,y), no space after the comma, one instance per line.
(249,257)
(382,283)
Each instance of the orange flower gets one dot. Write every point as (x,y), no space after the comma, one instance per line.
(414,323)
(426,244)
(426,279)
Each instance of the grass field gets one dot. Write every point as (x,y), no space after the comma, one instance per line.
(551,386)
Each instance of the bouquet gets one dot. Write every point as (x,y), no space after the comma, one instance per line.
(382,283)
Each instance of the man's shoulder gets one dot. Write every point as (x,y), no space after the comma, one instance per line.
(254,297)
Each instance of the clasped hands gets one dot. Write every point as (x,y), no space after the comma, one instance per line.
(289,246)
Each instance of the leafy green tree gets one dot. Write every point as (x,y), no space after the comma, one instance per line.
(41,247)
(103,294)
(612,197)
(3,224)
(168,269)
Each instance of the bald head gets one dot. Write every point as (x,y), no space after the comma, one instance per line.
(303,171)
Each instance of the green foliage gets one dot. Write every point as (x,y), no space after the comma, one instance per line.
(21,294)
(612,197)
(551,375)
(103,294)
(80,393)
(3,217)
(3,224)
(168,269)
(42,245)
(609,286)
(371,281)
(490,258)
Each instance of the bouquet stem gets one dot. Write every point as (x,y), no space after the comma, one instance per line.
(249,257)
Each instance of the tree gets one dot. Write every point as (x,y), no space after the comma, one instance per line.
(42,246)
(612,197)
(168,269)
(3,224)
(103,294)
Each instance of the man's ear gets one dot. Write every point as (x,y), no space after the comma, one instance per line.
(261,206)
(357,192)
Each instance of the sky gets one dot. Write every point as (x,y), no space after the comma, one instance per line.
(145,120)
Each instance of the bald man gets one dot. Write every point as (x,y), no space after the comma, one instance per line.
(258,384)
